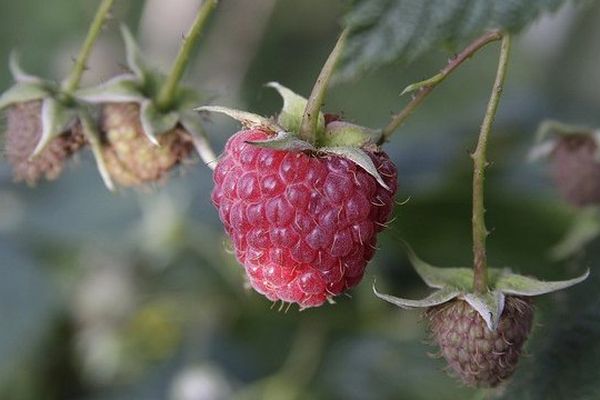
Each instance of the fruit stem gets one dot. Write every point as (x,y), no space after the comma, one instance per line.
(425,87)
(310,118)
(169,88)
(480,232)
(74,78)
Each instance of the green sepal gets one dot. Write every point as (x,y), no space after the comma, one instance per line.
(92,135)
(154,122)
(458,283)
(438,278)
(248,120)
(285,141)
(360,158)
(290,116)
(436,298)
(520,285)
(22,92)
(342,133)
(135,60)
(120,89)
(193,124)
(18,74)
(56,119)
(584,229)
(489,305)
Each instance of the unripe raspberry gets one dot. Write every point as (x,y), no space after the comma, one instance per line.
(479,356)
(23,133)
(303,225)
(131,159)
(576,169)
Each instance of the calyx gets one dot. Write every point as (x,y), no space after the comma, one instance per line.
(457,283)
(141,85)
(338,138)
(60,110)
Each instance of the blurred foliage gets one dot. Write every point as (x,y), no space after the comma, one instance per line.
(135,295)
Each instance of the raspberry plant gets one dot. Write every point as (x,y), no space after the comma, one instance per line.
(305,195)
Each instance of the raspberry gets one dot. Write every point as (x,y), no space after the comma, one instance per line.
(479,356)
(23,132)
(303,225)
(575,169)
(130,157)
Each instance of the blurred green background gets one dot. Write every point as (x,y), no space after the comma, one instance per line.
(134,295)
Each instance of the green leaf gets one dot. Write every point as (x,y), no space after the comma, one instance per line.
(120,89)
(360,158)
(292,111)
(438,297)
(519,285)
(248,120)
(342,133)
(489,305)
(584,229)
(155,122)
(56,119)
(22,92)
(283,140)
(385,31)
(193,124)
(92,135)
(135,60)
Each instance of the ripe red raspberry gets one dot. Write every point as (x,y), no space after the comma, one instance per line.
(575,169)
(303,225)
(481,357)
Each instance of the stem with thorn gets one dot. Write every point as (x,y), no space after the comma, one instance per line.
(425,87)
(74,78)
(479,164)
(310,118)
(169,88)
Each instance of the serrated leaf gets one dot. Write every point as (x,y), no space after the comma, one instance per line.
(193,124)
(283,140)
(385,31)
(519,285)
(342,133)
(247,119)
(92,135)
(120,89)
(489,305)
(19,75)
(290,116)
(135,60)
(583,230)
(155,122)
(438,297)
(56,119)
(360,158)
(21,93)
